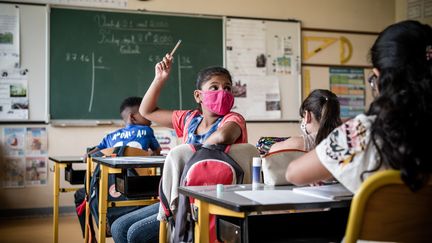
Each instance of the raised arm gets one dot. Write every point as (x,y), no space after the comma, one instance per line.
(227,134)
(148,107)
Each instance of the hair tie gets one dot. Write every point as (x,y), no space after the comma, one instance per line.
(429,52)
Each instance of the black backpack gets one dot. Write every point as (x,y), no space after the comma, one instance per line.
(210,165)
(112,212)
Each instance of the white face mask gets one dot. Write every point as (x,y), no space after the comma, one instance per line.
(303,127)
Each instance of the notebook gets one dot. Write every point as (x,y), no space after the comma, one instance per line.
(333,192)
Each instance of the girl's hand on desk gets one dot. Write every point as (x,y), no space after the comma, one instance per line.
(163,68)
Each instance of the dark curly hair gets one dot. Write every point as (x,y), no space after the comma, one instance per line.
(325,106)
(403,106)
(130,102)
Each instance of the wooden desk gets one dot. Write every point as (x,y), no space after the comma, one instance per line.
(114,166)
(298,217)
(60,162)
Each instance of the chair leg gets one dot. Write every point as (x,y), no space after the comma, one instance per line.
(163,232)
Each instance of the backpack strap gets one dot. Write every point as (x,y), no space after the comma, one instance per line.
(195,147)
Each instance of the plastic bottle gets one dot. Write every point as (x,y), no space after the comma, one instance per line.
(256,172)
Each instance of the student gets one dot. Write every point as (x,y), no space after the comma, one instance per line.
(211,123)
(320,114)
(136,133)
(387,136)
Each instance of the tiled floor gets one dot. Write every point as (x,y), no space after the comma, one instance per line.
(39,230)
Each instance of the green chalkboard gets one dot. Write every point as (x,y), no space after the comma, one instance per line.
(98,58)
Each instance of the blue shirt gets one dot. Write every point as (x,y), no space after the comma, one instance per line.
(194,138)
(137,136)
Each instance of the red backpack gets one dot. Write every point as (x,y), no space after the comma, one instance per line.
(209,165)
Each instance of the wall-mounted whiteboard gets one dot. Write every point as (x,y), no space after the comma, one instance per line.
(264,58)
(33,58)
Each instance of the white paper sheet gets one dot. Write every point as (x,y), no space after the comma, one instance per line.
(278,197)
(9,38)
(14,98)
(257,97)
(246,47)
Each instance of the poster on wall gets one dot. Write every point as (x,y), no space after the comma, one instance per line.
(36,171)
(13,139)
(14,98)
(37,141)
(348,84)
(246,47)
(256,96)
(26,156)
(9,38)
(14,171)
(167,139)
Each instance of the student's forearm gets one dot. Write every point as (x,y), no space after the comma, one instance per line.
(149,102)
(222,137)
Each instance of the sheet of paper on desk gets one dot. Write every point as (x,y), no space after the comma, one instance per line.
(333,192)
(279,197)
(139,159)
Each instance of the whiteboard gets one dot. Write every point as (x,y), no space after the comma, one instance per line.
(280,42)
(33,48)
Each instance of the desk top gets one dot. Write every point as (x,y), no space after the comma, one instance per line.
(237,198)
(131,161)
(67,159)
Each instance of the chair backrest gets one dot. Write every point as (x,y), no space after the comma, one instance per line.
(385,209)
(129,151)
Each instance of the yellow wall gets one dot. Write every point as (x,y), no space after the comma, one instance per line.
(366,15)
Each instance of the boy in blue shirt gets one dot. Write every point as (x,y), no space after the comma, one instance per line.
(137,132)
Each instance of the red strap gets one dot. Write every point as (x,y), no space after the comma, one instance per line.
(80,209)
(227,149)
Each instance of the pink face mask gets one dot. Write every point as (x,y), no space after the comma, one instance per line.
(219,102)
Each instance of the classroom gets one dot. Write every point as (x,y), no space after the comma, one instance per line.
(70,63)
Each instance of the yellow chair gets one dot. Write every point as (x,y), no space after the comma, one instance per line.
(385,209)
(129,151)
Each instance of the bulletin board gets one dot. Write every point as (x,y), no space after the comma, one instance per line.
(264,58)
(32,69)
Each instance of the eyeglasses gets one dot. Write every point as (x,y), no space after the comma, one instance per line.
(372,79)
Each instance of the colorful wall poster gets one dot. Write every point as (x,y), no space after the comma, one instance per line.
(36,171)
(13,138)
(167,139)
(349,86)
(26,156)
(14,171)
(37,141)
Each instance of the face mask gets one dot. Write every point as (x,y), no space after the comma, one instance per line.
(303,127)
(219,102)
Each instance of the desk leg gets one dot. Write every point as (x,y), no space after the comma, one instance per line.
(202,225)
(103,198)
(87,208)
(56,201)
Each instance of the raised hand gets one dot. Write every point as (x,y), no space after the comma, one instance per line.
(163,68)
